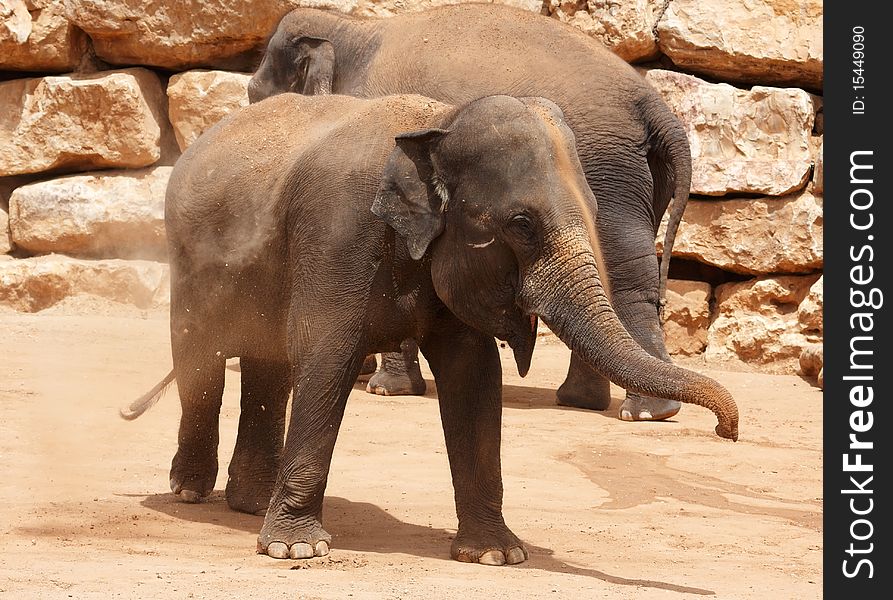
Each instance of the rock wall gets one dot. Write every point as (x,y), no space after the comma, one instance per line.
(98,98)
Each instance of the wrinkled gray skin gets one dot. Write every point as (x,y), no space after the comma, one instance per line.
(634,151)
(302,238)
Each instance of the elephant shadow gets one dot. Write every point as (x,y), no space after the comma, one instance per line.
(365,527)
(526,397)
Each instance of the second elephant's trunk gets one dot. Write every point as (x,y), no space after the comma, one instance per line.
(564,289)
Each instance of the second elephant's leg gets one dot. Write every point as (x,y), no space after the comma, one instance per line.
(399,374)
(255,461)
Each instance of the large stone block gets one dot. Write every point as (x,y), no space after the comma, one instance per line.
(176,34)
(35,35)
(33,284)
(742,141)
(752,236)
(774,42)
(758,322)
(624,27)
(687,316)
(114,214)
(82,122)
(198,99)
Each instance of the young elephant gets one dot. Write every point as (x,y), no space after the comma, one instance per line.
(303,238)
(633,149)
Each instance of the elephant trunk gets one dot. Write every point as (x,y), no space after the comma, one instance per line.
(568,295)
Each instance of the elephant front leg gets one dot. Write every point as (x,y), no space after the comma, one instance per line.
(293,523)
(469,384)
(400,374)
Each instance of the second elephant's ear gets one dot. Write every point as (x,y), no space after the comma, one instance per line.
(411,197)
(314,66)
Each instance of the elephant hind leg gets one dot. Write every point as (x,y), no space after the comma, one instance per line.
(584,388)
(252,471)
(200,375)
(400,374)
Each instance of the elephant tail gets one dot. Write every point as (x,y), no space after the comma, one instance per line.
(147,400)
(680,159)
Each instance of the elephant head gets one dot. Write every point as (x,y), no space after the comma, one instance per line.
(496,199)
(294,61)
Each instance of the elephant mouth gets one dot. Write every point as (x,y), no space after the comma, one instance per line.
(522,344)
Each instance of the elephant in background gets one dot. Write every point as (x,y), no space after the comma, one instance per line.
(634,151)
(306,232)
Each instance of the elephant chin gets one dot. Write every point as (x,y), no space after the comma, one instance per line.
(522,345)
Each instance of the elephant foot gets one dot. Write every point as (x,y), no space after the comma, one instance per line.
(647,408)
(585,391)
(388,384)
(191,480)
(488,547)
(287,537)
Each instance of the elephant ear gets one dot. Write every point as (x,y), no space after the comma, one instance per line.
(411,198)
(314,66)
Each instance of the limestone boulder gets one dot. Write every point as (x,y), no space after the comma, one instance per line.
(812,308)
(82,122)
(624,27)
(33,284)
(112,214)
(687,316)
(176,34)
(35,35)
(742,141)
(774,42)
(758,322)
(752,236)
(198,99)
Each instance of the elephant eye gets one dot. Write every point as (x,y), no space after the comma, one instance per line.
(522,225)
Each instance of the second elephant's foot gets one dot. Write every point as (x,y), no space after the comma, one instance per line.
(388,384)
(488,546)
(591,393)
(647,408)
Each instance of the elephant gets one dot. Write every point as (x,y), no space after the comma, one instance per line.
(305,233)
(634,151)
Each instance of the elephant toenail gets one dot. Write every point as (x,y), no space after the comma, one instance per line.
(190,496)
(277,550)
(322,548)
(516,555)
(625,415)
(301,550)
(492,557)
(645,416)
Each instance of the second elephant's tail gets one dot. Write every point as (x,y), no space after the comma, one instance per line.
(668,142)
(147,400)
(680,158)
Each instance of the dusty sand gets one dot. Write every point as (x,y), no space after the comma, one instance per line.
(607,509)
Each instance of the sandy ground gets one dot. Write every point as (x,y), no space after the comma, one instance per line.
(607,509)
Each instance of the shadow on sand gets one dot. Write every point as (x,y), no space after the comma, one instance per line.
(364,527)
